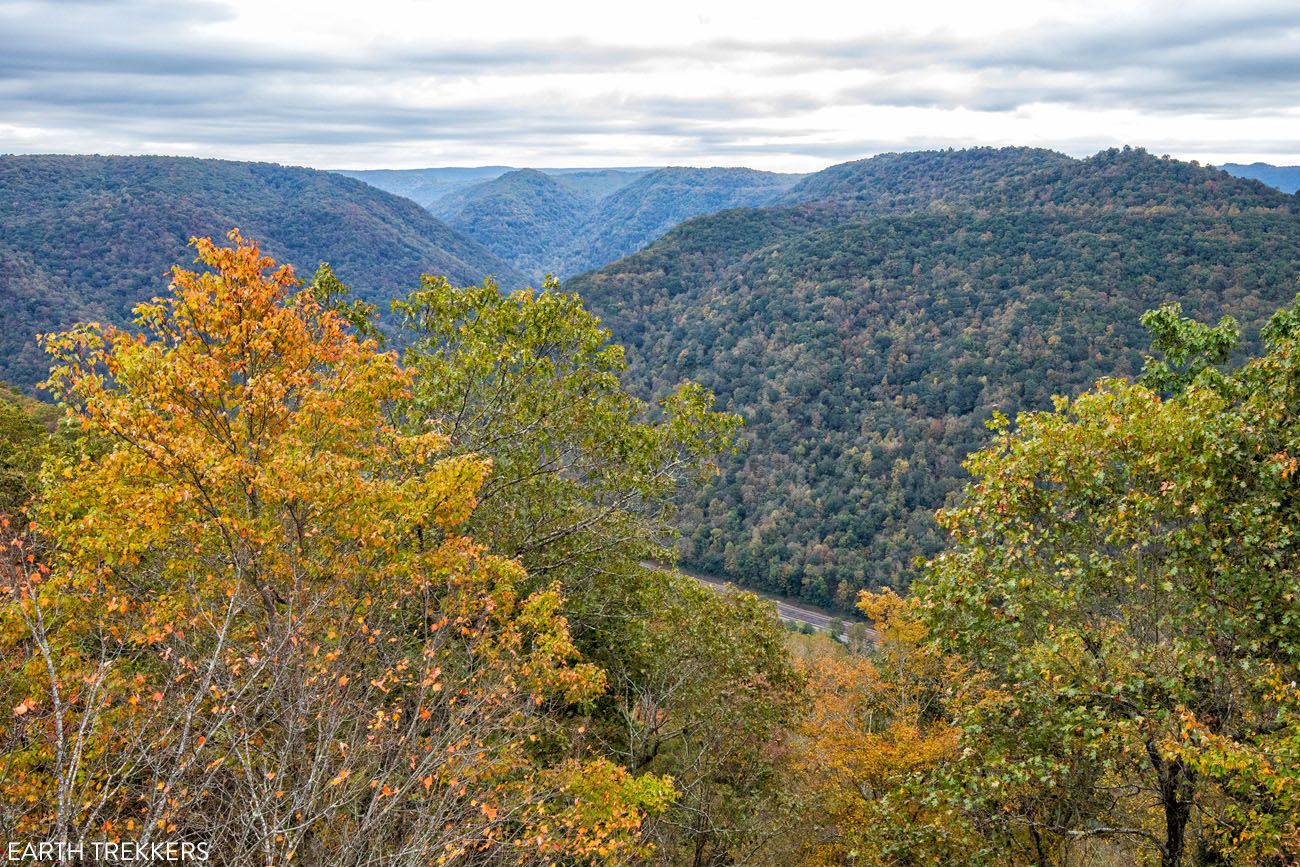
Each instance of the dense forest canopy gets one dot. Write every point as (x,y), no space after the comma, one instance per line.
(86,237)
(867,330)
(276,591)
(523,216)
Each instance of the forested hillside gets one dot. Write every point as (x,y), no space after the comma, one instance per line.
(867,333)
(917,178)
(86,238)
(523,216)
(647,208)
(444,191)
(559,221)
(513,188)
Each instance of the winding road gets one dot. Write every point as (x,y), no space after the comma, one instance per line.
(788,611)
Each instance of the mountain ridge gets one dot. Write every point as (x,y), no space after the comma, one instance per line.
(567,221)
(1284,178)
(866,339)
(87,237)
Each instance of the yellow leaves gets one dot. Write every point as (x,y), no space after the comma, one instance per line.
(249,492)
(894,617)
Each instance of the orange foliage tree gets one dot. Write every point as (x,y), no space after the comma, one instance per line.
(245,613)
(879,732)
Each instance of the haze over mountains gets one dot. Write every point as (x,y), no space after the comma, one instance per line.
(564,222)
(1285,178)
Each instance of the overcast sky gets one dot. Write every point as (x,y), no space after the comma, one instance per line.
(795,85)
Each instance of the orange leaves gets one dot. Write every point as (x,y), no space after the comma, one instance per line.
(275,576)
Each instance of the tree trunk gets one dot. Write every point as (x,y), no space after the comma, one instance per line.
(1176,794)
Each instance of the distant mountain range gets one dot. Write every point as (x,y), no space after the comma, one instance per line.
(428,187)
(1284,178)
(565,221)
(868,324)
(86,238)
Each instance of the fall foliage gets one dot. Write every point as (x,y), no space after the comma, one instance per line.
(270,587)
(245,611)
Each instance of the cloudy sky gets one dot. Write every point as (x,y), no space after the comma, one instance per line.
(795,85)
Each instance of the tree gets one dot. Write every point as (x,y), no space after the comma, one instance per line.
(1124,569)
(25,426)
(583,492)
(247,613)
(1189,349)
(871,752)
(585,476)
(703,690)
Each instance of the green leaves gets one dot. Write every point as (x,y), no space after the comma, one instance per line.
(1192,350)
(263,624)
(584,475)
(1126,563)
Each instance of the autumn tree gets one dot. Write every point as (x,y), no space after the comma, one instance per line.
(248,614)
(583,491)
(585,474)
(869,757)
(1124,569)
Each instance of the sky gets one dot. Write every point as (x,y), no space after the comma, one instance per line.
(791,86)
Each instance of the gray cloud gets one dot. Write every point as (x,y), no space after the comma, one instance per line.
(148,71)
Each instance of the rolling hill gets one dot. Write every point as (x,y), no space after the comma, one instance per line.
(434,186)
(651,205)
(868,327)
(584,187)
(523,216)
(88,237)
(564,221)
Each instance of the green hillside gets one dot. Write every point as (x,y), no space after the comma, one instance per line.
(525,189)
(595,184)
(648,207)
(905,180)
(85,238)
(557,222)
(522,216)
(868,333)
